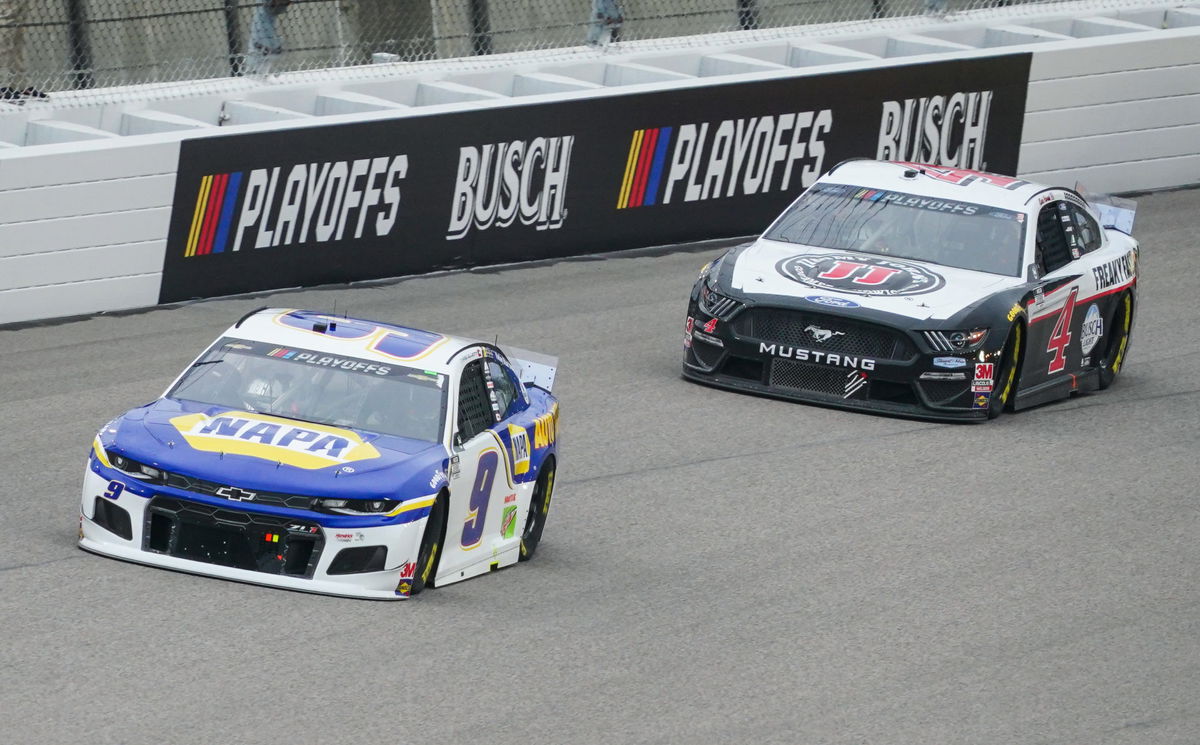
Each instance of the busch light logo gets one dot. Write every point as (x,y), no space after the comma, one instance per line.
(860,275)
(502,183)
(832,302)
(940,130)
(1092,330)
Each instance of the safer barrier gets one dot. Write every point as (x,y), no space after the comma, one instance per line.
(605,153)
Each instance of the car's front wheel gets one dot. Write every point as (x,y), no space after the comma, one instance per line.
(1006,377)
(431,545)
(1118,341)
(539,506)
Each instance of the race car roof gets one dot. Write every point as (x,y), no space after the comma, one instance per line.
(350,337)
(939,182)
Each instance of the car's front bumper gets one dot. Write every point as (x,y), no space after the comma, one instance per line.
(865,366)
(164,528)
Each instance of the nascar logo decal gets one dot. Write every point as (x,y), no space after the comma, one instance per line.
(860,275)
(310,202)
(308,446)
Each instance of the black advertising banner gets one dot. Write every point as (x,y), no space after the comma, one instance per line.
(347,202)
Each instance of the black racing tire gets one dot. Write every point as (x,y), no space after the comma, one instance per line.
(1005,391)
(539,506)
(1118,341)
(430,552)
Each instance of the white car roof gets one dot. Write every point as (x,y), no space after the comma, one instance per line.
(351,337)
(937,182)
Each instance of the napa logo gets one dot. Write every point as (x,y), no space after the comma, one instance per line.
(309,446)
(519,436)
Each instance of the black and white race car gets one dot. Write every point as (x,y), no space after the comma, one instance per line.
(923,291)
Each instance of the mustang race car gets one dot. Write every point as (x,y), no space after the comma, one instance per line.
(331,455)
(923,291)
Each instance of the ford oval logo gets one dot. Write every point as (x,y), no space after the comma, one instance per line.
(833,302)
(860,275)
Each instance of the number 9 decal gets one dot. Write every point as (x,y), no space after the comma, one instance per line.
(115,488)
(485,474)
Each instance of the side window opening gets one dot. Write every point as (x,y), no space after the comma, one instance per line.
(1054,252)
(1086,228)
(503,386)
(474,404)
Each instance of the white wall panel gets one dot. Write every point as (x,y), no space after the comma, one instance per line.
(1124,177)
(1121,147)
(70,164)
(1125,116)
(78,298)
(80,265)
(44,236)
(86,198)
(1134,85)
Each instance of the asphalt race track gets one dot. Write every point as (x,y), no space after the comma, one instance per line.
(717,568)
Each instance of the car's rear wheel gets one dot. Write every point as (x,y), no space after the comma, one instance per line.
(1006,378)
(1118,341)
(431,546)
(539,506)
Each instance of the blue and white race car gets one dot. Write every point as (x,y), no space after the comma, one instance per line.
(331,455)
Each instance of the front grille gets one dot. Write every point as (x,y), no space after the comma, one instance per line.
(828,381)
(232,538)
(224,491)
(706,354)
(825,332)
(943,391)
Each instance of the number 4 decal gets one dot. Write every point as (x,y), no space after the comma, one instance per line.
(1061,336)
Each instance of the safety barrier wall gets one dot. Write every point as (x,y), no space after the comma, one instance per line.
(90,218)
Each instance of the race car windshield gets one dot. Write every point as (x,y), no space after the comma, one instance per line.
(318,387)
(889,223)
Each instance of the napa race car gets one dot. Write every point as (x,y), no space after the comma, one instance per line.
(331,455)
(923,291)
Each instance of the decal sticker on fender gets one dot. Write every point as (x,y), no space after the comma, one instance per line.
(952,363)
(519,437)
(1092,330)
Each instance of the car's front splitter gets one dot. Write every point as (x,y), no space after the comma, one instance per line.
(878,407)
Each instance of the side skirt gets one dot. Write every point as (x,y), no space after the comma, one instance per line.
(1052,390)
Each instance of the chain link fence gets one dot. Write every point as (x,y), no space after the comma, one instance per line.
(81,44)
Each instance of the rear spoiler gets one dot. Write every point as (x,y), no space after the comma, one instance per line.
(1115,212)
(532,367)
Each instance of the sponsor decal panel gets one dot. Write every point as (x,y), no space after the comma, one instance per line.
(507,182)
(287,441)
(1113,273)
(951,363)
(860,275)
(944,130)
(734,157)
(356,201)
(816,355)
(1092,330)
(832,302)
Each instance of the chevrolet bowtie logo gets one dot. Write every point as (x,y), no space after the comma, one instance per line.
(820,334)
(236,494)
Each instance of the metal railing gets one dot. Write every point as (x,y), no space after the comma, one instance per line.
(79,44)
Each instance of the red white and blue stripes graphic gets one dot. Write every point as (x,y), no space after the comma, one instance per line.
(644,167)
(213,214)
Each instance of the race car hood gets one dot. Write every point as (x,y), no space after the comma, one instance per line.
(919,290)
(269,453)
